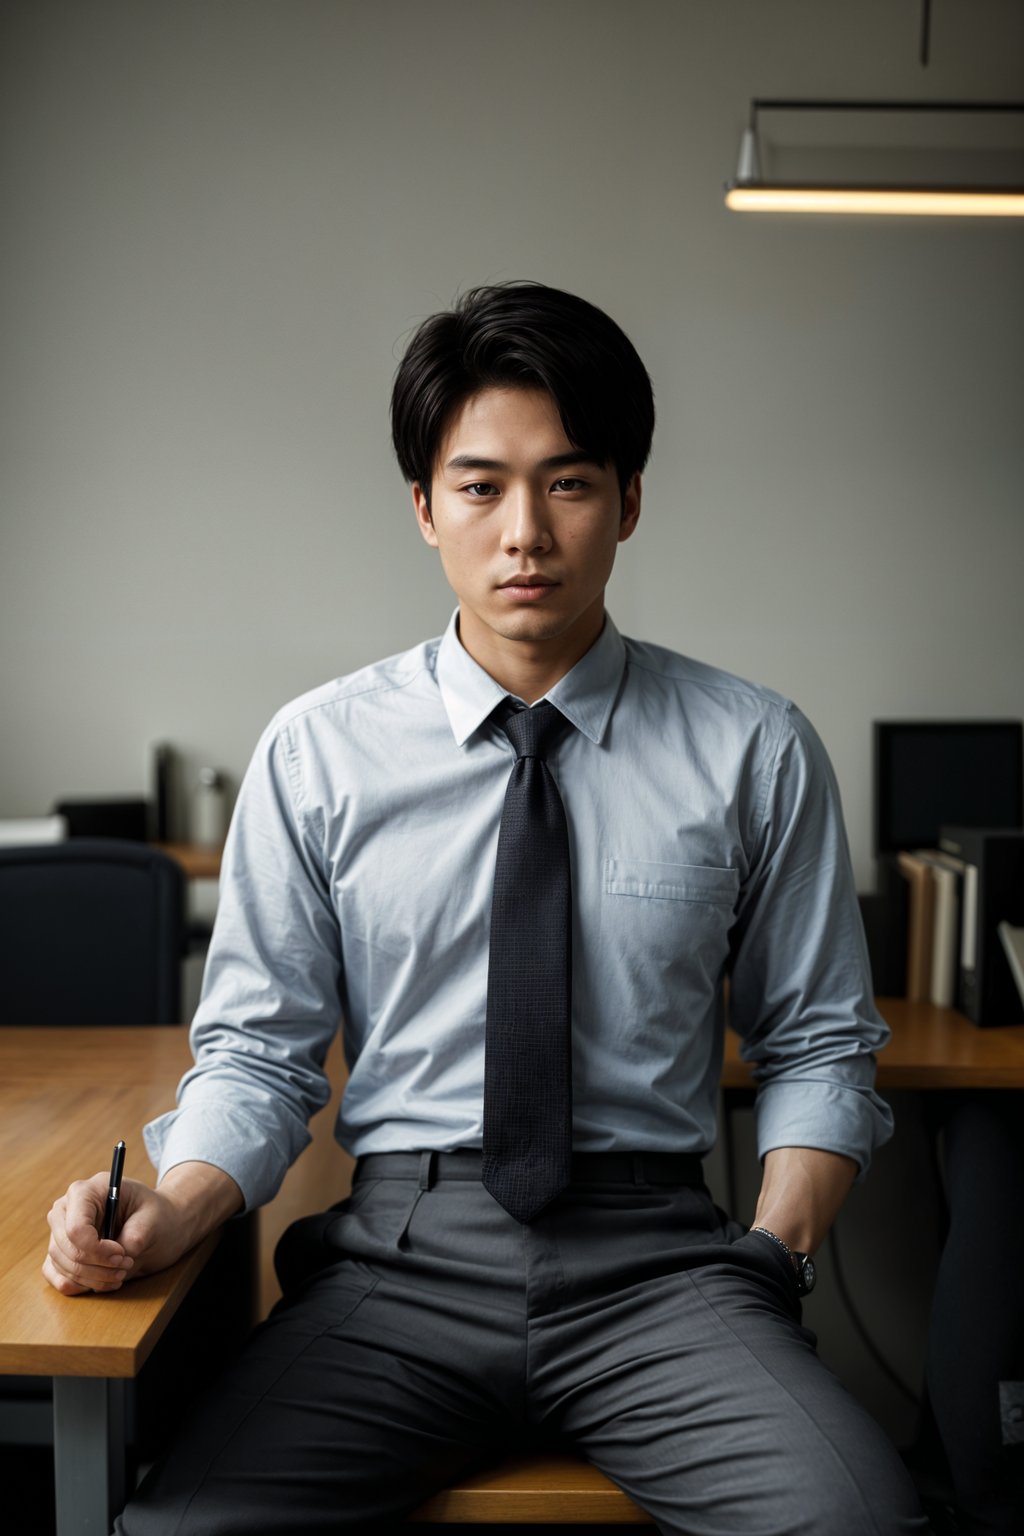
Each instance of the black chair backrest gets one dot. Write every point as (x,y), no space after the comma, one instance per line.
(91,932)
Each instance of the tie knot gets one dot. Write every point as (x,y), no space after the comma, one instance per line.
(532,731)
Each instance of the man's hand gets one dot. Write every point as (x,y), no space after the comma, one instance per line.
(157,1226)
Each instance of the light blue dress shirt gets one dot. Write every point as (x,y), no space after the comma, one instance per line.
(706,838)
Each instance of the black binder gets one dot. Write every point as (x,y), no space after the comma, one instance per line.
(993,892)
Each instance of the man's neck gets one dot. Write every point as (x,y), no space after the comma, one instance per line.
(529,670)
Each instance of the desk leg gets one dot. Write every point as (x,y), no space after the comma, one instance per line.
(88,1448)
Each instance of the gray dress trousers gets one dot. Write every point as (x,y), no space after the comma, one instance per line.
(424,1331)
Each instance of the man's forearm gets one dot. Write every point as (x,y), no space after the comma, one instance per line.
(203,1195)
(801,1193)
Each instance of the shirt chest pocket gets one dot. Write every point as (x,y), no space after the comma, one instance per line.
(671,882)
(669,915)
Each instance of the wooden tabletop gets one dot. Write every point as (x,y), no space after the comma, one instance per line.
(930,1048)
(66,1095)
(937,1048)
(198,862)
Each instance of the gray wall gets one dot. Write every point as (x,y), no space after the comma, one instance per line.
(220,219)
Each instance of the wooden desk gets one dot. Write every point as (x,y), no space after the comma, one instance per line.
(198,863)
(930,1048)
(66,1095)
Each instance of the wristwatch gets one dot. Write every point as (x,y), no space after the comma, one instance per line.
(803,1264)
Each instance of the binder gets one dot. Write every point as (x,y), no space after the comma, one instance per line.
(993,893)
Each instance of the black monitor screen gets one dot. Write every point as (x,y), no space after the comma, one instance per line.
(929,772)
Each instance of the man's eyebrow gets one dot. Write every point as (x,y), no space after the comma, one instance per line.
(470,461)
(556,461)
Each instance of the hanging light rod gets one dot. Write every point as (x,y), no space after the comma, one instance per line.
(748,192)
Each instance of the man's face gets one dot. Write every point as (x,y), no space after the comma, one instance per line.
(527,529)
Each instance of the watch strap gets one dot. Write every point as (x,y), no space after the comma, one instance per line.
(802,1263)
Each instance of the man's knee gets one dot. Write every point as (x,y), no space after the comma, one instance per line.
(869,1493)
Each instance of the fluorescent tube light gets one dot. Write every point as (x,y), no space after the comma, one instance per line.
(748,193)
(960,202)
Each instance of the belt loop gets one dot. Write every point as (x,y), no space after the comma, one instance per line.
(428,1169)
(639,1176)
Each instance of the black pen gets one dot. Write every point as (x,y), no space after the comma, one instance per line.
(116,1170)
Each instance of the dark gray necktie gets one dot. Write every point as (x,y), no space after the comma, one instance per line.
(528,1064)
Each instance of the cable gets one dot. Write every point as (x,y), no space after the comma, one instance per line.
(860,1328)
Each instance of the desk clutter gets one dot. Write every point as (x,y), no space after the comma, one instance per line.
(947,924)
(185,807)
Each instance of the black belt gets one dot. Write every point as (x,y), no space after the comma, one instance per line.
(430,1168)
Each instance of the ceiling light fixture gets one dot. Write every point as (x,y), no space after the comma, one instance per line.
(750,193)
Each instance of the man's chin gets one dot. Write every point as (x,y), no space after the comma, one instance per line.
(541,626)
(533,626)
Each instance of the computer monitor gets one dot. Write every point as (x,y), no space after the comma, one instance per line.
(968,773)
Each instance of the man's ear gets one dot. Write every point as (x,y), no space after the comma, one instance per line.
(630,508)
(421,506)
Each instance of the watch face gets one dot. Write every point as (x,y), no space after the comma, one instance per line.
(807,1275)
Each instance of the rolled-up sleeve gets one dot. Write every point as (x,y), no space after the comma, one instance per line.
(270,1002)
(800,995)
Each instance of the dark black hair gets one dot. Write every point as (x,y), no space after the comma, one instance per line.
(527,335)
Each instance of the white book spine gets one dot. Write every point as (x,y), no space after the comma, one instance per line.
(969,932)
(944,945)
(1013,943)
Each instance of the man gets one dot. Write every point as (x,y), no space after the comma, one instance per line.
(521,861)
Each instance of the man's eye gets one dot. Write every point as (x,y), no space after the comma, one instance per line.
(569,483)
(481,488)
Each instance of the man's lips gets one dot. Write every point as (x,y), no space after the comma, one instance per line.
(529,587)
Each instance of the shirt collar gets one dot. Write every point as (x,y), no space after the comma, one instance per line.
(585,695)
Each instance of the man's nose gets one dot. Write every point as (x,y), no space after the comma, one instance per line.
(526,524)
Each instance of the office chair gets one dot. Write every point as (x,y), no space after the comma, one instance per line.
(91,932)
